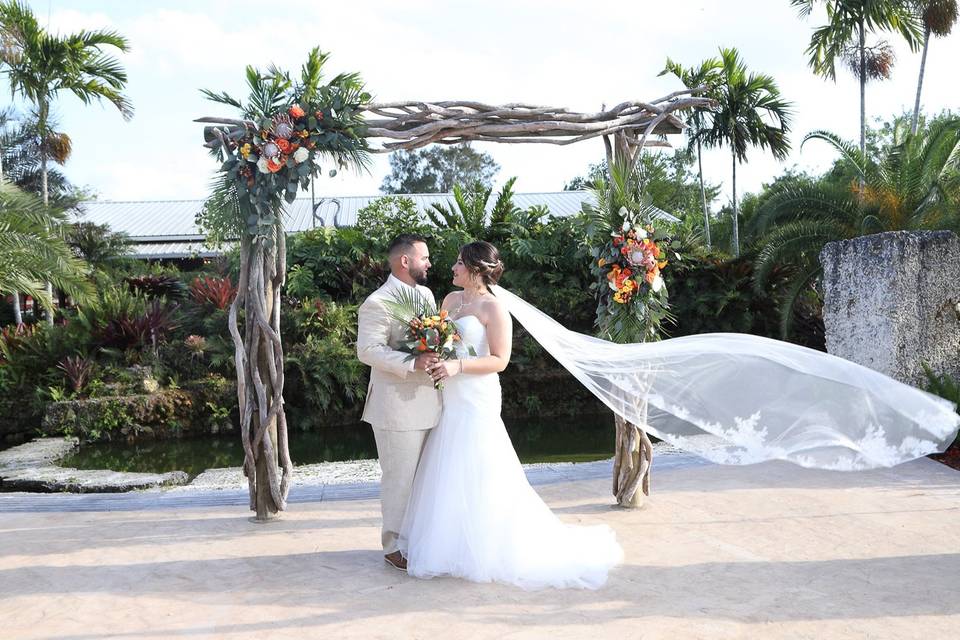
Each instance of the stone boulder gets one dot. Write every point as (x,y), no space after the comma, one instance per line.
(892,302)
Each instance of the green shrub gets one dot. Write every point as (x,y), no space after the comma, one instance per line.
(389,216)
(323,376)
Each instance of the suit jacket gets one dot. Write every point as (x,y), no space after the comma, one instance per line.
(399,398)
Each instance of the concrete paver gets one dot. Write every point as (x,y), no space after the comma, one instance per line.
(766,551)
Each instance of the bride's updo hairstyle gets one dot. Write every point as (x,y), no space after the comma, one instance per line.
(482,259)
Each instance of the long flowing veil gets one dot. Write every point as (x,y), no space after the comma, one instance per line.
(740,399)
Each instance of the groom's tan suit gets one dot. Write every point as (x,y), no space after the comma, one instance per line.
(402,404)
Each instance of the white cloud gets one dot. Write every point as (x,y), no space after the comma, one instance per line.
(572,54)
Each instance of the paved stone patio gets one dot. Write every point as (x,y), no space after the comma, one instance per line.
(767,551)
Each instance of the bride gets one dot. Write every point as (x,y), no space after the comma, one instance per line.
(472,513)
(730,398)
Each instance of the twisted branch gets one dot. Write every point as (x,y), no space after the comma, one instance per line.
(416,124)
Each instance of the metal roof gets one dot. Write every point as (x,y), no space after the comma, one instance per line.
(168,228)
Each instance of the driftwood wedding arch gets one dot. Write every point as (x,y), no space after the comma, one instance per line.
(625,129)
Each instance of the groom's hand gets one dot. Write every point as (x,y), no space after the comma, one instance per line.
(425,360)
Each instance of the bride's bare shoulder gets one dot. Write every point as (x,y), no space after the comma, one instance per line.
(450,300)
(493,306)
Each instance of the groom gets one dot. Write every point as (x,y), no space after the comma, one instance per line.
(402,404)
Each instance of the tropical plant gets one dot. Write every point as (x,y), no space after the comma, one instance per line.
(33,251)
(938,18)
(707,75)
(468,211)
(274,151)
(344,263)
(326,375)
(750,113)
(914,185)
(20,148)
(97,244)
(39,65)
(945,386)
(217,292)
(844,37)
(78,370)
(153,286)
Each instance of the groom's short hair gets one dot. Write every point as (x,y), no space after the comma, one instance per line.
(403,243)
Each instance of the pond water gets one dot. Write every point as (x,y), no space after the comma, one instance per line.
(577,439)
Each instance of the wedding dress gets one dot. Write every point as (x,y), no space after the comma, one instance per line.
(472,514)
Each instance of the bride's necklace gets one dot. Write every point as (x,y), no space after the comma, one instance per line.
(466,303)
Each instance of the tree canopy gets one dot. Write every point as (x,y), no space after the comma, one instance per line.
(437,169)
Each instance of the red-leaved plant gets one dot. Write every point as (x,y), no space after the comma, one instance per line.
(218,292)
(78,371)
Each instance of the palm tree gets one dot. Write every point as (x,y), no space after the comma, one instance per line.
(39,65)
(20,163)
(915,185)
(20,149)
(938,17)
(751,113)
(706,75)
(32,249)
(468,211)
(844,37)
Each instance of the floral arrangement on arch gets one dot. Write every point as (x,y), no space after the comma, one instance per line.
(632,294)
(287,126)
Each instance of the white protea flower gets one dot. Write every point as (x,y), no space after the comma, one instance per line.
(657,283)
(262,165)
(300,155)
(271,150)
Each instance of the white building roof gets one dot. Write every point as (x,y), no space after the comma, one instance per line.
(168,228)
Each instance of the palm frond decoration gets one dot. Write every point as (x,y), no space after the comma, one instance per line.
(408,303)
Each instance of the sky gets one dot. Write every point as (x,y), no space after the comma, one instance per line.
(567,54)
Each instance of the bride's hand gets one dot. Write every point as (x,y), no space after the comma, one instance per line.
(444,369)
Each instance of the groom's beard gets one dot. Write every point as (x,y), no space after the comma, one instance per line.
(419,276)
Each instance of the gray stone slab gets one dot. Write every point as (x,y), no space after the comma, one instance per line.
(892,302)
(32,467)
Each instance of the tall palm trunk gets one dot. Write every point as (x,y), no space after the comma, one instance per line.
(703,197)
(863,90)
(923,67)
(42,130)
(17,314)
(736,211)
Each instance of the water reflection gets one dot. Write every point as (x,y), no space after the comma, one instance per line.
(577,439)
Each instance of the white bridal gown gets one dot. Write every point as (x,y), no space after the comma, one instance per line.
(472,514)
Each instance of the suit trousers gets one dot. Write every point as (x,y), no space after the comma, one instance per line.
(399,453)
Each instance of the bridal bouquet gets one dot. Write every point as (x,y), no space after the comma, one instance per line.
(427,328)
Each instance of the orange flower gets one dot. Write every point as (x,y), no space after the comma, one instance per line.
(651,275)
(296,111)
(283,144)
(273,166)
(443,314)
(304,134)
(423,345)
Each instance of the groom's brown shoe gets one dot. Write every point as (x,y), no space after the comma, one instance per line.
(396,560)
